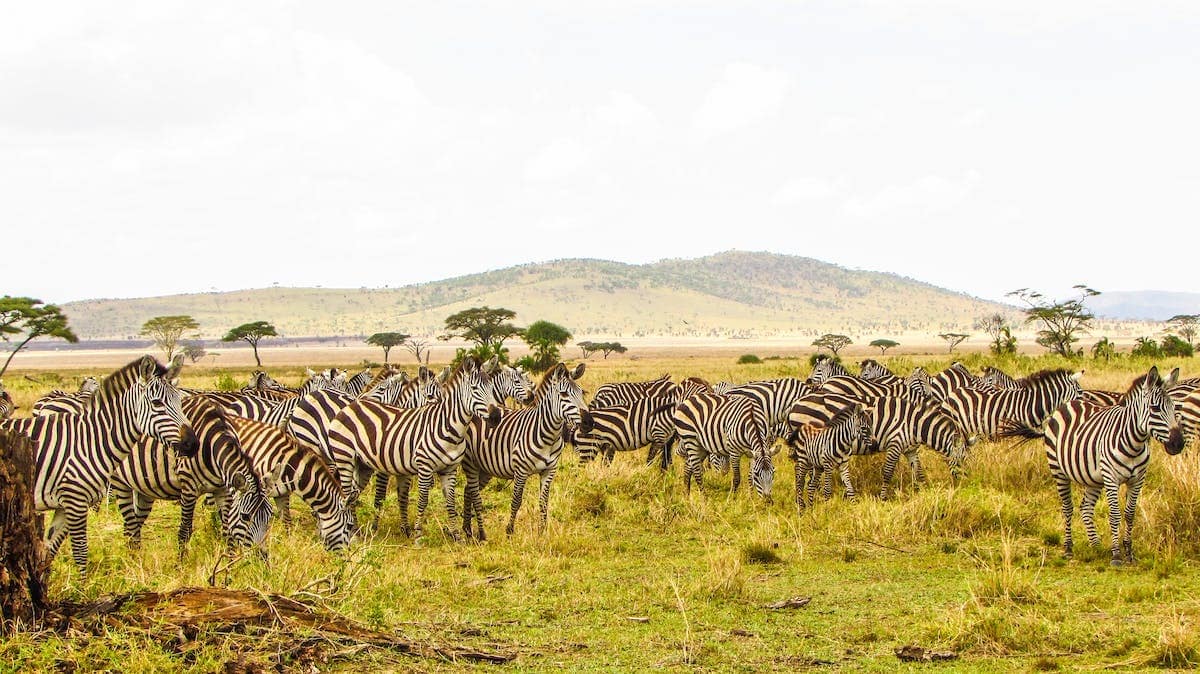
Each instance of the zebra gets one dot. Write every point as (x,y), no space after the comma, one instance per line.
(7,406)
(1188,408)
(997,379)
(955,377)
(427,441)
(723,387)
(275,413)
(730,425)
(152,472)
(1100,448)
(898,426)
(865,390)
(825,367)
(917,382)
(622,428)
(774,396)
(296,468)
(985,413)
(76,453)
(359,383)
(523,443)
(821,451)
(872,370)
(1105,398)
(623,393)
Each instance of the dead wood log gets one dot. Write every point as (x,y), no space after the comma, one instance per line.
(23,567)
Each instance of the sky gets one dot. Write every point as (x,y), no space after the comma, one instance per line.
(151,148)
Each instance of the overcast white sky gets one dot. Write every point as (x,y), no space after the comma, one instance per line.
(161,147)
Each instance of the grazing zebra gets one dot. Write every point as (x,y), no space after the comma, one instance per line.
(730,425)
(623,428)
(523,443)
(865,390)
(623,393)
(426,441)
(153,472)
(984,413)
(898,426)
(77,452)
(298,469)
(955,377)
(775,397)
(825,367)
(1102,447)
(821,451)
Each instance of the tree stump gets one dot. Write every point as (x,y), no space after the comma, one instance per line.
(23,569)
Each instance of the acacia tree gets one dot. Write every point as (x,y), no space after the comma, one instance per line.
(543,338)
(606,348)
(883,345)
(1061,322)
(832,342)
(953,339)
(193,351)
(252,334)
(488,328)
(166,331)
(416,347)
(30,319)
(1187,325)
(387,340)
(998,329)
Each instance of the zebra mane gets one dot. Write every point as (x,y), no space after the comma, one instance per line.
(843,414)
(116,384)
(1152,377)
(203,406)
(697,380)
(1042,376)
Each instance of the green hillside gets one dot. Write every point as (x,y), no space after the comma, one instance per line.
(732,294)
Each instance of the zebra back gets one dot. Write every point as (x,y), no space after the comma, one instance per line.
(623,428)
(985,413)
(955,377)
(623,393)
(824,368)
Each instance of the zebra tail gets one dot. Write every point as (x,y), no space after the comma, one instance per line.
(1014,429)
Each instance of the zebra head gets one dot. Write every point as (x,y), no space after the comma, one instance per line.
(7,406)
(762,470)
(471,385)
(337,530)
(1160,407)
(157,411)
(919,382)
(89,385)
(562,392)
(823,369)
(510,382)
(872,369)
(249,510)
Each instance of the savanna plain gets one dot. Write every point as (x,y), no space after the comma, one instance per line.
(633,573)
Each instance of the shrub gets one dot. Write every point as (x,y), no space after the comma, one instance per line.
(749,359)
(1147,348)
(1174,346)
(226,382)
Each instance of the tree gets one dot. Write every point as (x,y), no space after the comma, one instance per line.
(832,342)
(167,330)
(488,328)
(1147,347)
(588,348)
(953,339)
(32,319)
(1104,350)
(387,340)
(1187,325)
(416,347)
(997,328)
(252,334)
(883,345)
(1173,346)
(543,338)
(1061,322)
(193,351)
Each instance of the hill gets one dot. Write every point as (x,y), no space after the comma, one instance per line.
(1153,305)
(728,295)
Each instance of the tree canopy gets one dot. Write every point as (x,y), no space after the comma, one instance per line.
(1061,322)
(884,344)
(488,328)
(954,339)
(589,348)
(1186,325)
(543,338)
(387,340)
(166,331)
(998,329)
(251,333)
(832,342)
(27,318)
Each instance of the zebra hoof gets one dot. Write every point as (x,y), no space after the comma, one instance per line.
(1118,561)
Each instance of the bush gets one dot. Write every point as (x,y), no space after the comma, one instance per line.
(749,359)
(1147,348)
(1174,346)
(226,382)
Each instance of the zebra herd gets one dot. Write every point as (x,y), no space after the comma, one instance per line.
(140,437)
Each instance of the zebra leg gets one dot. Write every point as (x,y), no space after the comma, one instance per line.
(283,505)
(475,488)
(1113,496)
(381,485)
(801,475)
(56,533)
(424,485)
(77,529)
(403,486)
(518,494)
(448,478)
(1131,499)
(844,470)
(1087,511)
(914,464)
(889,470)
(815,479)
(694,468)
(187,516)
(128,506)
(735,464)
(1063,484)
(610,453)
(545,479)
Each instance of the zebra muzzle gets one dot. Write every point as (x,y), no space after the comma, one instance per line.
(188,443)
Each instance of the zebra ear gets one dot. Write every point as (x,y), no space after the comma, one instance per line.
(308,372)
(269,482)
(444,375)
(578,371)
(1077,376)
(490,366)
(238,482)
(1172,379)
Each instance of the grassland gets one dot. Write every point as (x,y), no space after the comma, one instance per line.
(634,574)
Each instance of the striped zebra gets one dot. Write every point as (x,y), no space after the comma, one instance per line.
(825,367)
(872,370)
(623,393)
(7,406)
(425,442)
(865,390)
(273,412)
(898,427)
(731,426)
(997,379)
(77,452)
(59,401)
(953,378)
(357,384)
(723,387)
(152,472)
(624,428)
(523,443)
(821,451)
(297,469)
(985,413)
(1100,448)
(1188,408)
(917,382)
(775,397)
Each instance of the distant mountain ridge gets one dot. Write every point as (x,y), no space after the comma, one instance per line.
(1144,305)
(726,295)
